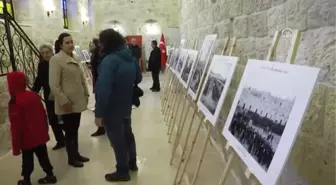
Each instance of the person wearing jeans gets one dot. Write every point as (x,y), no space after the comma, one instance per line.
(118,72)
(68,85)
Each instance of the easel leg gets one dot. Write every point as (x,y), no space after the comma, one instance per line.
(168,96)
(178,137)
(179,120)
(227,166)
(175,114)
(184,147)
(171,101)
(201,157)
(191,149)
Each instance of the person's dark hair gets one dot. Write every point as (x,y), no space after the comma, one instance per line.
(57,47)
(59,41)
(110,41)
(95,41)
(96,51)
(154,42)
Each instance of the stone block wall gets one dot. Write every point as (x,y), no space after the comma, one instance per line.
(254,22)
(32,16)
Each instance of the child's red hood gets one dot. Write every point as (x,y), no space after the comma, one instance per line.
(16,82)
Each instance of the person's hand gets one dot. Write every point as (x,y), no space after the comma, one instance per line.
(99,122)
(67,107)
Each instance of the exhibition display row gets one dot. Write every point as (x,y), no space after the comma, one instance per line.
(265,116)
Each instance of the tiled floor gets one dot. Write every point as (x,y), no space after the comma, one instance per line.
(152,146)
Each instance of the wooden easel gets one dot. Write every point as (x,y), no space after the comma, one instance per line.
(172,94)
(296,36)
(184,93)
(198,113)
(166,85)
(202,120)
(182,122)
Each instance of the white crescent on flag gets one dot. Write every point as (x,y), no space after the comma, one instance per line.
(162,43)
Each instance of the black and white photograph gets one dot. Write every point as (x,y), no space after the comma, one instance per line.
(204,56)
(259,122)
(176,59)
(79,53)
(181,61)
(216,85)
(188,66)
(266,115)
(86,55)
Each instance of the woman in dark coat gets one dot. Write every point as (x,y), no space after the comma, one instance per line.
(95,57)
(42,81)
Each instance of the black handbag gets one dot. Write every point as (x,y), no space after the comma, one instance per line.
(137,93)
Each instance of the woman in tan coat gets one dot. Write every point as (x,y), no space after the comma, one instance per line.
(68,85)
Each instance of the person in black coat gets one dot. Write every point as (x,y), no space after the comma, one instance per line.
(95,59)
(154,65)
(42,81)
(135,49)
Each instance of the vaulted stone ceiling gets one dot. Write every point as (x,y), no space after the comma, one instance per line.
(133,15)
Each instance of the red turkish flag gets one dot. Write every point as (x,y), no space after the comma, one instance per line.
(163,51)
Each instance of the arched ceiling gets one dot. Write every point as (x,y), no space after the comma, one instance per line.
(133,15)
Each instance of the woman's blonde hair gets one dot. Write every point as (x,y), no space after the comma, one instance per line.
(48,46)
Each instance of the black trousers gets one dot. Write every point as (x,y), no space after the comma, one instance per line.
(123,143)
(71,126)
(41,153)
(156,80)
(53,122)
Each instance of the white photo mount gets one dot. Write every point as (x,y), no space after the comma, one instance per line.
(201,65)
(290,88)
(181,62)
(217,81)
(188,68)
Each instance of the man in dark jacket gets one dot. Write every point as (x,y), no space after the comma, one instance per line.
(135,49)
(154,65)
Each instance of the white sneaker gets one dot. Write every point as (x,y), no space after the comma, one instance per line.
(134,107)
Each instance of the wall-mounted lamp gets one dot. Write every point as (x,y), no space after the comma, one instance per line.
(49,7)
(85,20)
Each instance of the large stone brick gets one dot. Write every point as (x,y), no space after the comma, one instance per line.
(322,13)
(276,19)
(235,8)
(240,27)
(262,46)
(249,6)
(297,14)
(224,28)
(258,24)
(245,49)
(313,122)
(263,4)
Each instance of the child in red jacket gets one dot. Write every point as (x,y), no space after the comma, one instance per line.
(29,129)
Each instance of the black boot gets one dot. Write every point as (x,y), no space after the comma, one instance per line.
(71,150)
(117,177)
(23,182)
(100,131)
(133,165)
(79,157)
(58,146)
(48,180)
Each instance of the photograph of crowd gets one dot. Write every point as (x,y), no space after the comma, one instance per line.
(205,53)
(176,58)
(189,65)
(258,123)
(181,61)
(79,53)
(213,89)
